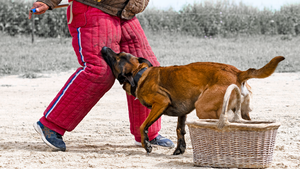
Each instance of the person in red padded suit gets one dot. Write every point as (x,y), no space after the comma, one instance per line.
(94,24)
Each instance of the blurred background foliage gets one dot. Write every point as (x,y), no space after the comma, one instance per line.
(208,19)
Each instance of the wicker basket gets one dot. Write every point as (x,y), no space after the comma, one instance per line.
(244,144)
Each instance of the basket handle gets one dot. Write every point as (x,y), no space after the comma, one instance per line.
(223,120)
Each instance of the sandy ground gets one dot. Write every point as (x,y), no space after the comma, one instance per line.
(103,139)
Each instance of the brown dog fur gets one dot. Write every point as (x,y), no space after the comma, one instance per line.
(178,90)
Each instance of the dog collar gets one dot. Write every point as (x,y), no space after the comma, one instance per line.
(136,79)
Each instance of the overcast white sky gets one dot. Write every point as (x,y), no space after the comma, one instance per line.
(177,4)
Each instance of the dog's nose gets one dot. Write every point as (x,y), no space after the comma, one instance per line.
(104,49)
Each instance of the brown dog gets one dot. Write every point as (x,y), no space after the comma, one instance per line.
(178,90)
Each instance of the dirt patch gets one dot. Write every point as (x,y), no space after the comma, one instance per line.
(103,139)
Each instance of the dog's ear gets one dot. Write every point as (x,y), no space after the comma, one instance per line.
(122,78)
(143,60)
(130,80)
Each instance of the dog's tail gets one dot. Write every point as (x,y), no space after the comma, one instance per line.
(263,72)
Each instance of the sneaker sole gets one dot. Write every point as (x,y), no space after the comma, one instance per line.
(39,130)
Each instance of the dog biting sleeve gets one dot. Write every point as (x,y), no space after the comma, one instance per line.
(134,41)
(92,29)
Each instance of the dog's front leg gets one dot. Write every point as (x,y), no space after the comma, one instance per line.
(181,146)
(155,113)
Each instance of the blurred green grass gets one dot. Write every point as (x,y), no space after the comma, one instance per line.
(19,56)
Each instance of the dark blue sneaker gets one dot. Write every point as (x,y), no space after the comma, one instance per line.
(50,137)
(160,141)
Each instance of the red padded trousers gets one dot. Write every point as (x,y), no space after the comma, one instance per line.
(91,29)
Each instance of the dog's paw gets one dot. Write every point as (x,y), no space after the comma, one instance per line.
(148,147)
(179,150)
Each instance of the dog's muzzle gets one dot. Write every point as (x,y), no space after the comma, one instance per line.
(106,57)
(121,78)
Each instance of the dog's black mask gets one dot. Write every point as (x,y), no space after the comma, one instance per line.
(121,77)
(108,60)
(128,77)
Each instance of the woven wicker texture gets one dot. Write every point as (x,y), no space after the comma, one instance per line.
(232,148)
(245,144)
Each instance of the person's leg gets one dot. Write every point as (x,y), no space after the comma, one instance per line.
(134,41)
(91,30)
